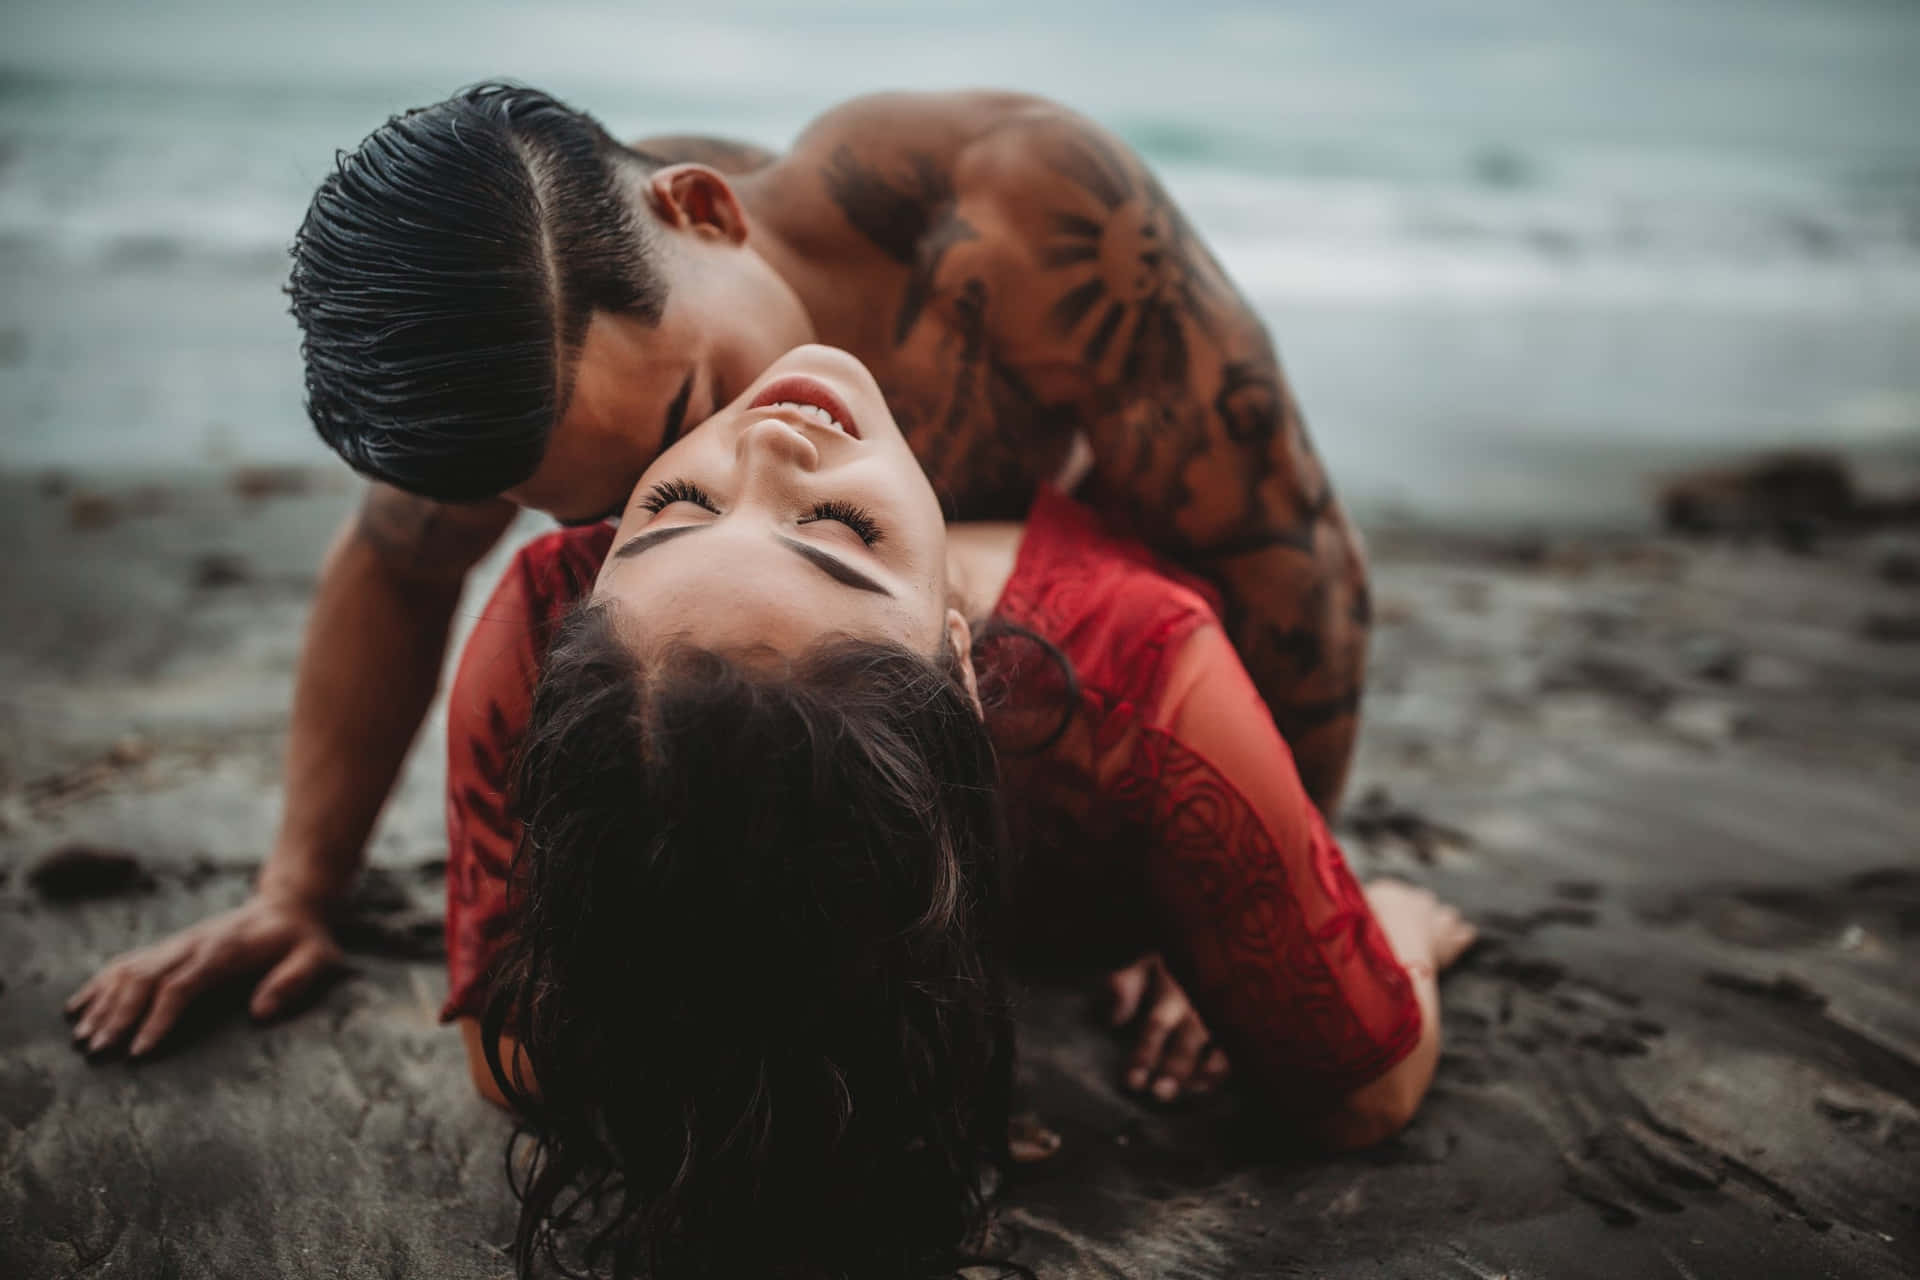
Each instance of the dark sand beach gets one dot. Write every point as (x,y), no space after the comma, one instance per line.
(1677,783)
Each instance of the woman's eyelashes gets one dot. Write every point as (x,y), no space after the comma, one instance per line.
(857,518)
(668,492)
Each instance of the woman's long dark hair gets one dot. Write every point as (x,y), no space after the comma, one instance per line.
(758,976)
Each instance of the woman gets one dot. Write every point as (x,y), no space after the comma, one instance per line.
(749,975)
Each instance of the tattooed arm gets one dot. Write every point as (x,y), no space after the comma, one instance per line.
(1196,439)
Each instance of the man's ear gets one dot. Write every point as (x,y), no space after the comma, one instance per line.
(697,198)
(960,640)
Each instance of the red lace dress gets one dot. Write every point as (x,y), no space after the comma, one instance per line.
(1164,813)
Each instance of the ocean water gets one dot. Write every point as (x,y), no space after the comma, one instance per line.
(1518,255)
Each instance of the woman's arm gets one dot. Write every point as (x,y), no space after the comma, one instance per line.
(1321,993)
(1427,936)
(1383,1107)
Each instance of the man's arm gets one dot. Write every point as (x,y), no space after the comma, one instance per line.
(371,662)
(1108,297)
(369,669)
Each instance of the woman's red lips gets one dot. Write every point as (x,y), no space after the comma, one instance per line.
(798,388)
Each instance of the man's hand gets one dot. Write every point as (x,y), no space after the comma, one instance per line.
(150,987)
(1420,928)
(1174,1051)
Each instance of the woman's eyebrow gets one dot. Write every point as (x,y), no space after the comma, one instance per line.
(652,538)
(833,566)
(836,568)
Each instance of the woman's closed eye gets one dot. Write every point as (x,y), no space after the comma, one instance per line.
(668,492)
(857,518)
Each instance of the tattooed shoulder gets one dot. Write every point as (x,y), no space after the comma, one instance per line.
(907,212)
(1127,283)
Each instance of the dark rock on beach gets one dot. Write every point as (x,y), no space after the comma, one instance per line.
(218,569)
(1794,497)
(271,482)
(1789,494)
(1687,1044)
(75,872)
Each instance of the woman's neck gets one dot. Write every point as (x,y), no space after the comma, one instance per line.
(980,559)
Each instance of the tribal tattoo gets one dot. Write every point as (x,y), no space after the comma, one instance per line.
(1203,441)
(986,445)
(914,224)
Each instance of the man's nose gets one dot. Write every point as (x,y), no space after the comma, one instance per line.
(771,443)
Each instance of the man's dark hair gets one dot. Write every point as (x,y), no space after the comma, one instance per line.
(444,278)
(758,969)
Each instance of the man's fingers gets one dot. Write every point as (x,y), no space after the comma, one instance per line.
(109,987)
(1213,1069)
(292,975)
(128,1003)
(79,1000)
(1167,1013)
(96,993)
(176,991)
(1128,985)
(1182,1055)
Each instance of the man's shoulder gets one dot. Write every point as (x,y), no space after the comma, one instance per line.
(908,122)
(1000,159)
(978,147)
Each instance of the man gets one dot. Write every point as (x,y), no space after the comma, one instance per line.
(504,307)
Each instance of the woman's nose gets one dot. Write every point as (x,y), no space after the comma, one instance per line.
(771,442)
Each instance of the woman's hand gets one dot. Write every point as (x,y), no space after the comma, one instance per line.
(1175,1050)
(150,987)
(1421,929)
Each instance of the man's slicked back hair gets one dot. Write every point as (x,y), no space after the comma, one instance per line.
(444,279)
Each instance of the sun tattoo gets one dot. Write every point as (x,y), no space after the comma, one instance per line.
(1138,277)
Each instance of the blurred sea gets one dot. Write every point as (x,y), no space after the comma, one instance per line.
(1516,254)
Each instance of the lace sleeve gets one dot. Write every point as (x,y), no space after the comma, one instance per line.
(486,710)
(1265,925)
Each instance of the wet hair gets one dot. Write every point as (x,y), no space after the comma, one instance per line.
(758,975)
(444,278)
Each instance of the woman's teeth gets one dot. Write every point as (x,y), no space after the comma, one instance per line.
(813,412)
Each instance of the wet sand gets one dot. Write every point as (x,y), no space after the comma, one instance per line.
(1674,782)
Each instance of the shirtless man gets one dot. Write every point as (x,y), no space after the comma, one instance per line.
(504,307)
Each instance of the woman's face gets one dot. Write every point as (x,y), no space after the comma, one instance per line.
(795,513)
